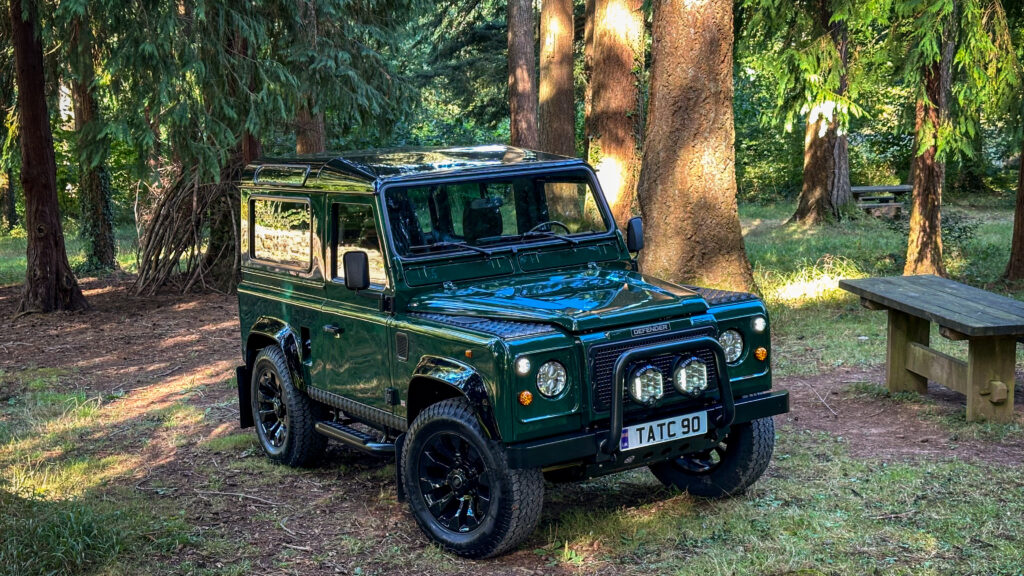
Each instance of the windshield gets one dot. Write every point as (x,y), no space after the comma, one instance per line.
(481,214)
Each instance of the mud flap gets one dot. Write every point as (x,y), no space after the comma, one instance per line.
(400,486)
(244,397)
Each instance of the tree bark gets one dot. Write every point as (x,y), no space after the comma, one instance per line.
(615,105)
(49,282)
(826,178)
(310,137)
(94,178)
(1015,267)
(557,107)
(588,78)
(522,73)
(924,246)
(688,181)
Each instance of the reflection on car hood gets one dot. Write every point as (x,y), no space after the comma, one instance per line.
(577,300)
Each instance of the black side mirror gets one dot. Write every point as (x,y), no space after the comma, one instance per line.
(356,265)
(635,234)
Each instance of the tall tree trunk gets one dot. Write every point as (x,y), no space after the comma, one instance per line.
(924,246)
(310,137)
(588,78)
(615,108)
(557,110)
(49,282)
(826,178)
(688,181)
(94,178)
(522,73)
(1015,267)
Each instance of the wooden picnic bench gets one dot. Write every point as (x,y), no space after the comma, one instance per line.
(880,198)
(992,325)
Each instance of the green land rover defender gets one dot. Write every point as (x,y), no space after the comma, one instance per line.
(475,314)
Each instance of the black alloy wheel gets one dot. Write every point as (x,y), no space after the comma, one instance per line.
(454,482)
(284,416)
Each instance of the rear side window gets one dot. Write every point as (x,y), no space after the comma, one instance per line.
(282,233)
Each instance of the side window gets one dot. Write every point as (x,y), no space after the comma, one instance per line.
(354,228)
(281,232)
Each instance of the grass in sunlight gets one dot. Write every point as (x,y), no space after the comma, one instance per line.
(12,253)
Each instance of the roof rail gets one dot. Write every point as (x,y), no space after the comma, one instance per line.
(291,175)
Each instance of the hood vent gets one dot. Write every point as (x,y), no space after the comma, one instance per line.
(507,329)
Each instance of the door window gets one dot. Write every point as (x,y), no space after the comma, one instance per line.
(355,229)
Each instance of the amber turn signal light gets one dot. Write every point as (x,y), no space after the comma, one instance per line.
(525,398)
(761,353)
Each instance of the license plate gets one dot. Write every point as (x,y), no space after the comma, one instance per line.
(647,434)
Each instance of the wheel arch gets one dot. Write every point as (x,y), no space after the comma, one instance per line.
(436,379)
(269,331)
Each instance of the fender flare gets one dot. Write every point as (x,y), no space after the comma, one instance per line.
(463,380)
(278,331)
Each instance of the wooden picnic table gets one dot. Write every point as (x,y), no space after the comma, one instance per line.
(880,197)
(992,325)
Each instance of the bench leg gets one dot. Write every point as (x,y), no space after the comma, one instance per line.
(904,329)
(990,379)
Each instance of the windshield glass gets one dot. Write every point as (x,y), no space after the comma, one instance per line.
(491,213)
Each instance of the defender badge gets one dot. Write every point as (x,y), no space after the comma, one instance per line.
(654,329)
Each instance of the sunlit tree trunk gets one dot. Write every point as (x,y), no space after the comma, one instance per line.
(826,178)
(94,178)
(615,105)
(924,246)
(522,73)
(688,181)
(49,282)
(588,67)
(1015,267)
(557,109)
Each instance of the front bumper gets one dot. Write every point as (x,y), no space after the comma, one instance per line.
(588,447)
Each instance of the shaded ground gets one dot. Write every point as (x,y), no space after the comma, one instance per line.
(160,371)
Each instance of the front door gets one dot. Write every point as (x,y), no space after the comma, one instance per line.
(353,341)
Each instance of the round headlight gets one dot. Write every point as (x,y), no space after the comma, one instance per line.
(551,379)
(645,384)
(691,376)
(732,343)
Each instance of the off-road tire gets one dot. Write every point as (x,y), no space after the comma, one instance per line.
(302,446)
(516,495)
(747,451)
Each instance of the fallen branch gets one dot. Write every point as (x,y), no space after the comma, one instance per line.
(238,494)
(834,413)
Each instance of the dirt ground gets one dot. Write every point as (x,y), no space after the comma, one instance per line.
(144,355)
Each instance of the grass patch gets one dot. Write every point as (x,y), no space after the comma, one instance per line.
(13,246)
(231,443)
(818,510)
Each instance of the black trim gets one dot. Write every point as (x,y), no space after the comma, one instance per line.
(245,419)
(358,410)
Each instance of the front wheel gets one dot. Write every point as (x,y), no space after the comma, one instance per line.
(461,490)
(726,469)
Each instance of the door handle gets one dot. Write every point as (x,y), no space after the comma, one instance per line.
(332,329)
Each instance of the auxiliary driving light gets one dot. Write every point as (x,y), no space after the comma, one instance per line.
(691,376)
(759,324)
(732,344)
(522,366)
(645,384)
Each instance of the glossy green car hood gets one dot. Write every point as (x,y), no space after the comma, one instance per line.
(577,300)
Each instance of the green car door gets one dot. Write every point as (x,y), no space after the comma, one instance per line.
(353,339)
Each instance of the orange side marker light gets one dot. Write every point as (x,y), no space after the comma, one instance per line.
(761,353)
(525,398)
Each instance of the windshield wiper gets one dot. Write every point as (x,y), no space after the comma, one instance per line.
(449,244)
(549,234)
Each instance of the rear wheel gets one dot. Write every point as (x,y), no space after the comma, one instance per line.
(726,469)
(284,416)
(460,488)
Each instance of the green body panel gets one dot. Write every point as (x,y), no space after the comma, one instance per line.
(455,323)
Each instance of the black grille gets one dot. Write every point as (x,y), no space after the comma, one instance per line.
(500,328)
(603,357)
(402,346)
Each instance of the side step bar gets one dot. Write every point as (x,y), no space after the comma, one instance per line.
(354,438)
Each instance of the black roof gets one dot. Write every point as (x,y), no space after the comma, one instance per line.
(373,167)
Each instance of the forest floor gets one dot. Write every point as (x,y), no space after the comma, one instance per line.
(120,453)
